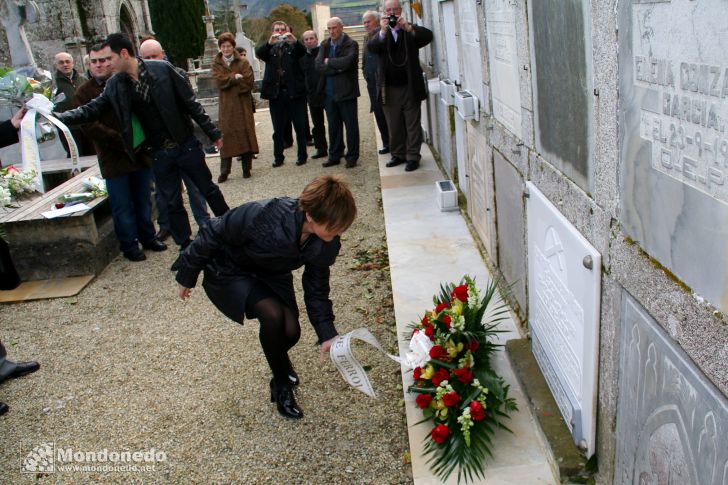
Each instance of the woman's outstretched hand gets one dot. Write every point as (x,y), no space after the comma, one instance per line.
(325,347)
(184,292)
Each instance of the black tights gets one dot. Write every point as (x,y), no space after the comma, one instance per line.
(279,332)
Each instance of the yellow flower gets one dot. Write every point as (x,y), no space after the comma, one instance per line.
(452,349)
(443,413)
(438,404)
(457,307)
(428,372)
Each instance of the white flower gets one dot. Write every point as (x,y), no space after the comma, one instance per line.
(5,198)
(419,355)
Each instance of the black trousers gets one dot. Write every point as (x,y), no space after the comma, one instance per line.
(376,108)
(319,128)
(169,164)
(343,114)
(295,110)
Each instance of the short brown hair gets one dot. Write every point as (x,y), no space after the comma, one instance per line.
(328,200)
(226,37)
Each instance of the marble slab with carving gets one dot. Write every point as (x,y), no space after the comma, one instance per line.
(564,280)
(672,422)
(673,142)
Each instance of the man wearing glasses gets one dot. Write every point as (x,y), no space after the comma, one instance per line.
(127,179)
(400,85)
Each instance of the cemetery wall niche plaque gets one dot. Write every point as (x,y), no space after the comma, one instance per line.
(562,85)
(672,422)
(503,59)
(564,280)
(673,64)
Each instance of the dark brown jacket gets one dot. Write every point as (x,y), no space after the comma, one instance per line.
(236,106)
(106,136)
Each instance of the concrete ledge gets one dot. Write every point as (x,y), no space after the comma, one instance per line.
(571,462)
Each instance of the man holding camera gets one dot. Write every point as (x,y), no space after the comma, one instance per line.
(400,85)
(284,88)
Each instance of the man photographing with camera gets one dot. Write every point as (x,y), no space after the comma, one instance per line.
(284,88)
(400,85)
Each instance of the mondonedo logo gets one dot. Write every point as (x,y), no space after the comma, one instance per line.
(47,458)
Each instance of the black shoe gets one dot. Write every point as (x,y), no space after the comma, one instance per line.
(384,151)
(211,149)
(350,163)
(292,376)
(320,154)
(330,163)
(3,408)
(10,370)
(177,264)
(222,178)
(277,163)
(135,254)
(412,165)
(282,395)
(162,234)
(301,162)
(394,162)
(154,245)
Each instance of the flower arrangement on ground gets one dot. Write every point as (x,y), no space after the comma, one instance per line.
(460,395)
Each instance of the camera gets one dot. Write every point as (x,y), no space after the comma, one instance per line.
(282,37)
(393,20)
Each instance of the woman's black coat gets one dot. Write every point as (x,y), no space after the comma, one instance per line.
(259,242)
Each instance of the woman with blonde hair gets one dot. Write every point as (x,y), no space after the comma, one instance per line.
(248,256)
(234,77)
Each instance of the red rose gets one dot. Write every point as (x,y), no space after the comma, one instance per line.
(473,345)
(440,375)
(440,433)
(464,375)
(446,320)
(460,292)
(477,413)
(437,352)
(451,399)
(423,400)
(425,321)
(12,169)
(417,373)
(441,307)
(430,332)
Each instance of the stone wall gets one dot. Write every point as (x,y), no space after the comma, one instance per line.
(74,25)
(623,131)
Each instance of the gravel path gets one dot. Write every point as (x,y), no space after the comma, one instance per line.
(126,366)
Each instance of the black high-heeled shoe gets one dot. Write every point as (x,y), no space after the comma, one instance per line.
(285,401)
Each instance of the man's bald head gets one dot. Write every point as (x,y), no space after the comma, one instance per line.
(151,49)
(64,63)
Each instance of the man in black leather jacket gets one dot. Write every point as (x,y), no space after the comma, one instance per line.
(153,96)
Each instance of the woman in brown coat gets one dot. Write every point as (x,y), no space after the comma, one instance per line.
(234,77)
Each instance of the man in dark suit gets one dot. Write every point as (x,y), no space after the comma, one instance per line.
(338,61)
(315,100)
(369,62)
(284,88)
(401,87)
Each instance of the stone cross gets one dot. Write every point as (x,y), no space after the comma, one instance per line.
(14,14)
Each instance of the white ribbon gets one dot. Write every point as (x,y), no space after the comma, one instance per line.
(41,105)
(350,368)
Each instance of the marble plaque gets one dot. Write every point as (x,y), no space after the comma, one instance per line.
(673,142)
(564,280)
(470,47)
(672,422)
(562,85)
(449,33)
(481,206)
(503,60)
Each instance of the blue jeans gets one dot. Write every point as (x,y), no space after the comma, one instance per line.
(197,204)
(131,208)
(169,166)
(342,114)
